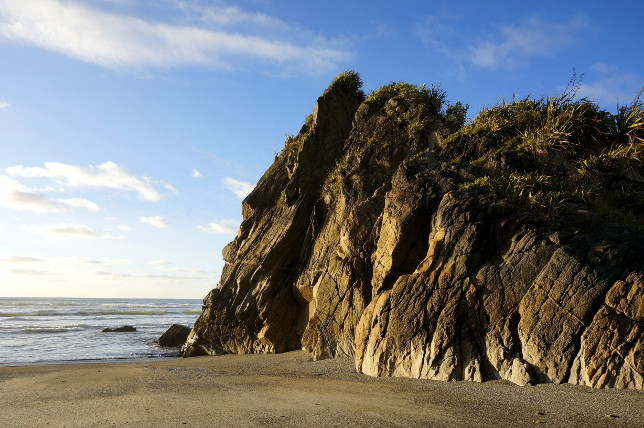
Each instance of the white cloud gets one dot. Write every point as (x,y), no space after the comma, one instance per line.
(112,261)
(159,262)
(18,197)
(22,259)
(155,221)
(108,274)
(514,45)
(187,270)
(67,230)
(108,174)
(123,227)
(240,188)
(508,46)
(612,88)
(79,203)
(32,272)
(227,227)
(118,41)
(81,260)
(4,105)
(196,174)
(227,15)
(603,67)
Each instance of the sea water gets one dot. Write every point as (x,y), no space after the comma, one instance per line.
(50,330)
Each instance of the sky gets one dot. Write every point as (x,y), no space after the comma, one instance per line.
(131,130)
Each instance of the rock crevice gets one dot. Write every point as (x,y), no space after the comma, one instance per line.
(362,239)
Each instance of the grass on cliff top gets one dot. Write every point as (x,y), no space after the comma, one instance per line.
(601,156)
(576,128)
(433,97)
(351,82)
(416,110)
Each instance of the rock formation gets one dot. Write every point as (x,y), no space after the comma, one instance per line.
(376,234)
(124,329)
(174,337)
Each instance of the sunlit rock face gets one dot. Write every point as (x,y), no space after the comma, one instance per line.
(365,239)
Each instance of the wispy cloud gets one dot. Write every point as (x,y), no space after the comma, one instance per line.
(603,68)
(227,227)
(241,189)
(121,41)
(32,272)
(62,230)
(81,260)
(22,259)
(18,197)
(196,174)
(4,105)
(507,46)
(113,261)
(611,86)
(107,175)
(514,45)
(108,274)
(160,262)
(226,15)
(155,221)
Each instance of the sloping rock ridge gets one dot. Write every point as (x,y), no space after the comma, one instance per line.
(365,238)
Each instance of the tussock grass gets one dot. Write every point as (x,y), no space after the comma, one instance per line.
(540,193)
(601,155)
(432,98)
(351,82)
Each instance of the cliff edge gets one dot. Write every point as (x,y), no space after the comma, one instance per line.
(388,230)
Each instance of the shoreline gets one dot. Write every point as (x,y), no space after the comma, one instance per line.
(288,390)
(89,361)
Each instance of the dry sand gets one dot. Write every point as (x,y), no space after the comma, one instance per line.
(288,390)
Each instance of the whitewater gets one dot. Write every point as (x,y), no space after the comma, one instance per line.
(51,330)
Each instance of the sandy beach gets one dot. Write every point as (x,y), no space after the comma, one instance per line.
(288,390)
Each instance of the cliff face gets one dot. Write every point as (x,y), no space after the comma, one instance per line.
(367,238)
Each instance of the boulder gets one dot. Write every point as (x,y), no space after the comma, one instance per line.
(174,337)
(124,329)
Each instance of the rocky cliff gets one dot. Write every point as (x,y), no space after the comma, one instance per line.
(509,248)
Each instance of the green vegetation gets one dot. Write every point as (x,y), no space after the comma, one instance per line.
(540,193)
(553,155)
(293,144)
(412,112)
(456,115)
(351,82)
(432,98)
(579,154)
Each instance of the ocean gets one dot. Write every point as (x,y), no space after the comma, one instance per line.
(51,330)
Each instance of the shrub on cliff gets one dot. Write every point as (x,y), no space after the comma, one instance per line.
(351,82)
(595,158)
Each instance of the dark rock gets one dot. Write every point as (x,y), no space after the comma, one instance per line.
(363,242)
(174,337)
(124,329)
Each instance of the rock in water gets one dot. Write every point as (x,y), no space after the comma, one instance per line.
(174,337)
(373,236)
(124,329)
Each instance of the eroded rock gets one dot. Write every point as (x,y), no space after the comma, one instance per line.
(362,240)
(175,336)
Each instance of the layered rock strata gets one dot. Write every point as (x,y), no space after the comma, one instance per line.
(362,240)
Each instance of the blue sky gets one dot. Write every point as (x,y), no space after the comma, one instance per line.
(130,130)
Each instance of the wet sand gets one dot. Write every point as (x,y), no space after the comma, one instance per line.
(289,390)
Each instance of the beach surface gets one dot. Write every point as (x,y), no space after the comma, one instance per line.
(288,390)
